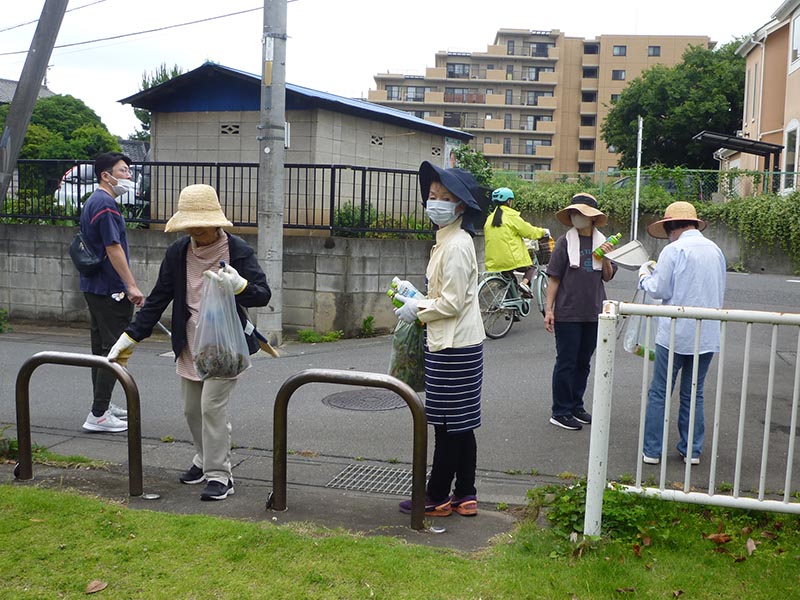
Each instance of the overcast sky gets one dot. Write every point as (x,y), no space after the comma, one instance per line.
(334,45)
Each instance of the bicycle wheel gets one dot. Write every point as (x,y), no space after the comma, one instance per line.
(540,291)
(497,320)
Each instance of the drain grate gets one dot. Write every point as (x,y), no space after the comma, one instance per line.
(370,399)
(377,480)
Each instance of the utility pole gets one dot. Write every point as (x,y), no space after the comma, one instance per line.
(272,138)
(27,92)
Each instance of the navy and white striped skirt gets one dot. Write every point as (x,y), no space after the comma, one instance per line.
(453,380)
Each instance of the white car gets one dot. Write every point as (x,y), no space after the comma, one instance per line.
(79,182)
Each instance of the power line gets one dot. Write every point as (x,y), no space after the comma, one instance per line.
(124,35)
(36,20)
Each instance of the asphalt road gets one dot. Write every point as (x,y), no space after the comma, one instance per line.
(516,435)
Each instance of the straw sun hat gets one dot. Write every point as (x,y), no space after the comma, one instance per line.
(586,204)
(198,206)
(677,211)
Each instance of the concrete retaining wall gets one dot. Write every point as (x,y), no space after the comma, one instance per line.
(328,282)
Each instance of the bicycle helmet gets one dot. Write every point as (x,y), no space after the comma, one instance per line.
(502,195)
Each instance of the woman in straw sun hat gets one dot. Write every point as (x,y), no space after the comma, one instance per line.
(575,295)
(180,281)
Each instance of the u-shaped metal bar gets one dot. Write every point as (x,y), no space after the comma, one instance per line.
(359,378)
(25,465)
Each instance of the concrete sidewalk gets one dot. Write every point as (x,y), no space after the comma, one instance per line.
(310,501)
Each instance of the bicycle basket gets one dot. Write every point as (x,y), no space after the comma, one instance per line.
(541,249)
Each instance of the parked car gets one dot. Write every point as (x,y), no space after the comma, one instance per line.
(79,182)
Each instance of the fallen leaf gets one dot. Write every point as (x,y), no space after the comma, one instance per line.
(751,546)
(646,541)
(637,550)
(626,590)
(746,530)
(769,535)
(719,538)
(96,586)
(739,559)
(573,537)
(677,593)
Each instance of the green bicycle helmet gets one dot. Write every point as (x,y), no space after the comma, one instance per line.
(502,195)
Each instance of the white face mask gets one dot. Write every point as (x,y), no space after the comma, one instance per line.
(580,221)
(441,212)
(123,186)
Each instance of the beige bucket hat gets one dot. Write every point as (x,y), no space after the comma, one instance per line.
(586,204)
(677,211)
(198,206)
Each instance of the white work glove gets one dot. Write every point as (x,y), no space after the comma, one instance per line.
(546,232)
(231,275)
(647,268)
(122,349)
(407,312)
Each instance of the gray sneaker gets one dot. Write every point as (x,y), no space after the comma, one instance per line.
(106,423)
(118,411)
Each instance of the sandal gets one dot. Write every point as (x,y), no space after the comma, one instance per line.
(466,506)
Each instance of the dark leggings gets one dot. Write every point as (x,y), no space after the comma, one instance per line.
(454,455)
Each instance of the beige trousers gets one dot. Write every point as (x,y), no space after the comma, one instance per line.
(205,406)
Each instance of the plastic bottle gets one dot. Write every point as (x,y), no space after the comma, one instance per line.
(403,288)
(613,240)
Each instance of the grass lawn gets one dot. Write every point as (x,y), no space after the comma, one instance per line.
(56,543)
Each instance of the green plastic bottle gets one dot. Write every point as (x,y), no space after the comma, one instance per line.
(613,240)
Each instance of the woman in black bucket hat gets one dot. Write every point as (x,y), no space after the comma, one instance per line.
(453,340)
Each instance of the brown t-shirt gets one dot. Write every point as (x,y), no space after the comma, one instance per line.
(581,291)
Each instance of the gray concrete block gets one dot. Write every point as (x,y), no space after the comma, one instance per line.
(299,262)
(332,265)
(298,281)
(298,317)
(331,283)
(298,298)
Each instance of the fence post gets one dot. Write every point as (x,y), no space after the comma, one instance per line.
(363,201)
(601,417)
(332,217)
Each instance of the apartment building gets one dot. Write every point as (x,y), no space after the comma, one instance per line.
(535,100)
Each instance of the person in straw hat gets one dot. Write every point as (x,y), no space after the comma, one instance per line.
(575,296)
(188,261)
(690,272)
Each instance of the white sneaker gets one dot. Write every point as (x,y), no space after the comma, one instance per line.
(650,460)
(107,422)
(118,411)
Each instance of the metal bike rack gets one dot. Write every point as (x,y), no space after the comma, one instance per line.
(24,468)
(277,500)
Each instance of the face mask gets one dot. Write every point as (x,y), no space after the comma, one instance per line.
(123,186)
(441,212)
(580,221)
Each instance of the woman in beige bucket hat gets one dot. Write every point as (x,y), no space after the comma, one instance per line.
(188,261)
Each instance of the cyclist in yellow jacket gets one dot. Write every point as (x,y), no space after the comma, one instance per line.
(503,232)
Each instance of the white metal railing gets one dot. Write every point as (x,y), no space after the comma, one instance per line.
(727,388)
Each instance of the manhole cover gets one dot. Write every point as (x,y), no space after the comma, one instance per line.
(368,399)
(377,480)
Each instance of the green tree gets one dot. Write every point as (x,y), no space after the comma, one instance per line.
(149,80)
(704,91)
(475,162)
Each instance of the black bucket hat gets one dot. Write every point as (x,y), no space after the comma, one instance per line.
(460,183)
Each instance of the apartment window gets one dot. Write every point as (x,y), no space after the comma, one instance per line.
(588,120)
(790,166)
(509,97)
(585,167)
(453,119)
(614,98)
(530,147)
(590,72)
(591,48)
(506,145)
(393,92)
(586,145)
(620,50)
(415,94)
(528,122)
(489,91)
(540,49)
(487,140)
(796,38)
(420,114)
(618,74)
(588,96)
(458,70)
(510,47)
(654,51)
(507,121)
(506,166)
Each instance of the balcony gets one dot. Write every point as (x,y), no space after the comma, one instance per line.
(475,98)
(586,156)
(548,78)
(545,127)
(545,152)
(495,149)
(496,99)
(434,97)
(376,95)
(590,60)
(587,132)
(550,102)
(493,124)
(436,73)
(588,108)
(495,74)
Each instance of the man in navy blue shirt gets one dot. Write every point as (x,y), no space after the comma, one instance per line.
(111,292)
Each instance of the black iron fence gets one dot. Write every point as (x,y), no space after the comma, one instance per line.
(341,199)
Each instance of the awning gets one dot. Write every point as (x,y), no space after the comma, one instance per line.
(740,144)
